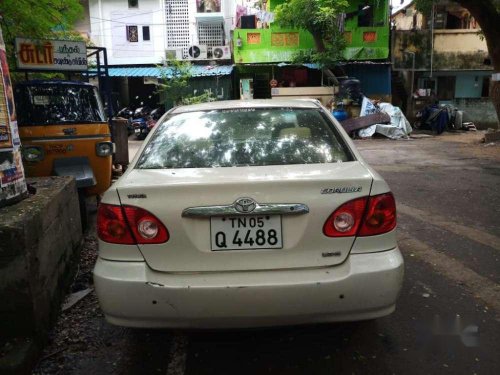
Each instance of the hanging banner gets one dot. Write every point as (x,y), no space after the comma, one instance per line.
(65,55)
(12,182)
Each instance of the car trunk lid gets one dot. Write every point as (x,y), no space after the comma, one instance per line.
(313,191)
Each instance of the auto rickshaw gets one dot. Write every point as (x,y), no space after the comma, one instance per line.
(63,131)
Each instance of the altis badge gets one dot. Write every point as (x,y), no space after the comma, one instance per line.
(342,190)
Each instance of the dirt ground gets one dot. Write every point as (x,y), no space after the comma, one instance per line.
(474,143)
(75,332)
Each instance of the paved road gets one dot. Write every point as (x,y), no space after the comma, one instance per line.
(133,146)
(448,316)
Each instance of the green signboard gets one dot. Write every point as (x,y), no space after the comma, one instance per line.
(269,45)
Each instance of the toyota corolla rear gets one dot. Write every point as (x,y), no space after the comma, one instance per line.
(240,214)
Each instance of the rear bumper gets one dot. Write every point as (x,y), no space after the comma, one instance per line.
(366,286)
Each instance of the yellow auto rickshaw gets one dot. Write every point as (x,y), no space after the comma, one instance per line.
(63,132)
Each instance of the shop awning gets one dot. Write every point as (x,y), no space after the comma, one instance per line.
(195,70)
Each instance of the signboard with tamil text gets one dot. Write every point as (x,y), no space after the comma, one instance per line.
(64,55)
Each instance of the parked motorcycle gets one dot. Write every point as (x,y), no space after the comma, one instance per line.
(140,122)
(143,125)
(439,118)
(157,113)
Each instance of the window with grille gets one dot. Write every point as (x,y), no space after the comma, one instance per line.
(211,34)
(177,23)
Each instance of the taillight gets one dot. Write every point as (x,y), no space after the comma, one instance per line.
(129,225)
(366,216)
(345,220)
(145,226)
(380,216)
(112,226)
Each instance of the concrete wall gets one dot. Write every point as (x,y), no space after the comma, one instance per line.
(449,53)
(468,86)
(480,111)
(462,41)
(108,21)
(39,238)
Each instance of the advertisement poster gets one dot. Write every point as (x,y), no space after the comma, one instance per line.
(12,182)
(5,138)
(51,55)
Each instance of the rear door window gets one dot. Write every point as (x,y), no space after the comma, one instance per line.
(244,137)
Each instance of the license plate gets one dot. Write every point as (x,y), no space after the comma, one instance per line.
(137,131)
(246,232)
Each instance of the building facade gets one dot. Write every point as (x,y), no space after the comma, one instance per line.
(263,51)
(446,58)
(144,33)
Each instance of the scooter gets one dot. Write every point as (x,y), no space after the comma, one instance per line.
(144,126)
(140,122)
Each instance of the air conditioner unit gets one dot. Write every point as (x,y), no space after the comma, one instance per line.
(197,53)
(221,53)
(173,54)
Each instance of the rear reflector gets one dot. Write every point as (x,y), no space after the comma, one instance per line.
(366,216)
(129,225)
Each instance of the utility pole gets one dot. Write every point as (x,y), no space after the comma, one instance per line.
(412,83)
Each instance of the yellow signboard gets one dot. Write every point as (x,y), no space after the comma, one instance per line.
(63,55)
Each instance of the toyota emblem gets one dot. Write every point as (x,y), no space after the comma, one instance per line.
(245,205)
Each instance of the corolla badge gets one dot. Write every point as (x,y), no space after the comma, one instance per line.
(342,190)
(245,205)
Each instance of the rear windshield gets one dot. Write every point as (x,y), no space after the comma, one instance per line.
(57,104)
(244,137)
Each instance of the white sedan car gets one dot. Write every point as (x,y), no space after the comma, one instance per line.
(244,214)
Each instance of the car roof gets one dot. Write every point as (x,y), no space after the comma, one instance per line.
(242,104)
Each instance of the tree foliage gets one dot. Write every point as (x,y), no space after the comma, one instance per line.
(173,87)
(320,18)
(38,19)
